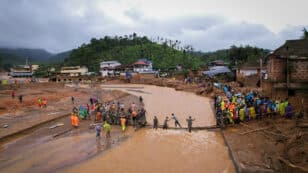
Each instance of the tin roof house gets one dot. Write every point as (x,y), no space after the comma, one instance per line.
(143,66)
(108,68)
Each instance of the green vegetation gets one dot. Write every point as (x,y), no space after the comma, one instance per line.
(46,70)
(236,56)
(165,54)
(128,49)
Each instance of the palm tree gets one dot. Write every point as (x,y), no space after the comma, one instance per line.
(305,34)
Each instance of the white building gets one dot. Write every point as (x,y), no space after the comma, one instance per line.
(108,67)
(143,66)
(249,71)
(74,71)
(21,71)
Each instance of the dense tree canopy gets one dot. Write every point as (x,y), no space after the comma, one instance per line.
(236,56)
(128,49)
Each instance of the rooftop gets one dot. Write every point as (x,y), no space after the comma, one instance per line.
(109,62)
(295,48)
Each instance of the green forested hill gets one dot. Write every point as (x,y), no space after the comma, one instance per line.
(128,49)
(17,56)
(35,55)
(247,55)
(164,55)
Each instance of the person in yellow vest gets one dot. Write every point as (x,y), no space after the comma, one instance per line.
(39,102)
(123,124)
(107,129)
(229,116)
(234,99)
(242,114)
(282,108)
(222,104)
(252,112)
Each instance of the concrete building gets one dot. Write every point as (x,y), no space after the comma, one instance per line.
(107,68)
(287,71)
(249,71)
(73,71)
(21,71)
(143,66)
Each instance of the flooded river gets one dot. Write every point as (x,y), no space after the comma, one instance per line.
(167,151)
(145,150)
(162,101)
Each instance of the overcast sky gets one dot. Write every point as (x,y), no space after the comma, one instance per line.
(207,25)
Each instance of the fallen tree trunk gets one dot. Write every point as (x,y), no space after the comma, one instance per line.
(256,130)
(290,167)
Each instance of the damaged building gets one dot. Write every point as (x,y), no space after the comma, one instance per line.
(287,72)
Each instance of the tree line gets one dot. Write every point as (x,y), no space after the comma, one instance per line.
(127,49)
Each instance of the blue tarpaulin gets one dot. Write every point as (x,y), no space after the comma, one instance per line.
(217,70)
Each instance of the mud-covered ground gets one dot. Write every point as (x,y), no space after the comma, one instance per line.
(43,149)
(270,145)
(20,116)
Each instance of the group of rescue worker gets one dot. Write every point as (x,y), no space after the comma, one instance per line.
(176,122)
(113,113)
(237,107)
(110,113)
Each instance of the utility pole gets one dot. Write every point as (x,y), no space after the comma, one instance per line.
(287,69)
(260,75)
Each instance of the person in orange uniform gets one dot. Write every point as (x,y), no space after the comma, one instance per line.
(98,117)
(44,103)
(74,120)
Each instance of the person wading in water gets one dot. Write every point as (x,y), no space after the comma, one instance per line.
(176,121)
(189,123)
(155,123)
(165,126)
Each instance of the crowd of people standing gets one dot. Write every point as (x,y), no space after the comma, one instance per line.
(109,113)
(235,107)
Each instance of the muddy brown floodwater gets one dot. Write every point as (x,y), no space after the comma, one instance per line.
(146,150)
(165,150)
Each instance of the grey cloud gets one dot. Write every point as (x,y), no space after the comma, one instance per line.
(133,13)
(48,24)
(57,26)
